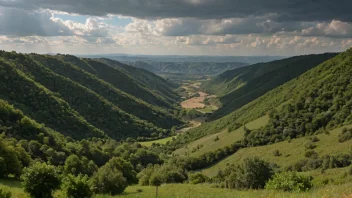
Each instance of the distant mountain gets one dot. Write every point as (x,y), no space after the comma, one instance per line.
(174,58)
(199,68)
(239,86)
(80,98)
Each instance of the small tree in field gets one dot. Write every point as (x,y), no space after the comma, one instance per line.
(289,181)
(155,180)
(40,180)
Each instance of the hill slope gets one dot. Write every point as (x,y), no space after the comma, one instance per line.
(239,86)
(77,103)
(316,101)
(128,82)
(148,79)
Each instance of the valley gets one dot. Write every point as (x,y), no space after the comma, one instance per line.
(187,135)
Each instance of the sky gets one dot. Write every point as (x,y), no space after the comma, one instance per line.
(176,27)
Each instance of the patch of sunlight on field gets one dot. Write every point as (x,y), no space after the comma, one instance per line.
(291,152)
(161,141)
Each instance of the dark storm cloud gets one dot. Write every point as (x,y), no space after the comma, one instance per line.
(287,10)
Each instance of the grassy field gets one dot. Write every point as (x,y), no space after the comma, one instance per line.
(225,138)
(203,191)
(161,141)
(291,152)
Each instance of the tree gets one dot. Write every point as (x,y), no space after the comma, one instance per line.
(5,193)
(77,187)
(252,174)
(109,181)
(73,165)
(113,177)
(156,180)
(40,180)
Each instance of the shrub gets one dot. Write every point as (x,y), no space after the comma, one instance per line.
(314,139)
(216,139)
(345,135)
(197,178)
(277,153)
(350,171)
(76,187)
(40,180)
(252,174)
(309,145)
(289,181)
(311,154)
(5,193)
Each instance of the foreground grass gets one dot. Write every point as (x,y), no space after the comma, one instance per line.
(203,191)
(225,139)
(291,152)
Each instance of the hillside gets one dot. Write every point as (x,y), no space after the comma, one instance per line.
(199,68)
(62,96)
(147,79)
(239,86)
(317,101)
(133,83)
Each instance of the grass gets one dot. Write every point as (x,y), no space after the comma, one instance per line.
(208,109)
(160,141)
(225,138)
(203,191)
(291,152)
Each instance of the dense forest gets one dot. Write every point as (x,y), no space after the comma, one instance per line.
(239,86)
(55,84)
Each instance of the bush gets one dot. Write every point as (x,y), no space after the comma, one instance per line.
(113,177)
(289,181)
(40,180)
(197,178)
(345,135)
(252,174)
(277,153)
(309,145)
(5,193)
(314,139)
(76,187)
(216,139)
(311,154)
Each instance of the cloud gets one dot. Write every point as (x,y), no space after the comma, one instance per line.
(333,29)
(16,22)
(287,10)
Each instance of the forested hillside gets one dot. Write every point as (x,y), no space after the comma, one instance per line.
(316,101)
(77,103)
(199,68)
(239,86)
(147,79)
